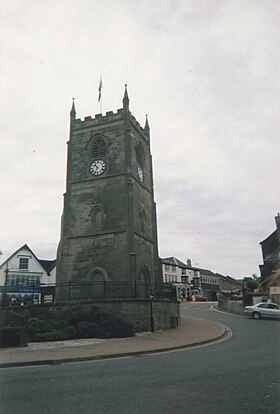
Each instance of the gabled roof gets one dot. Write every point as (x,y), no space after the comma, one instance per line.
(271,236)
(16,252)
(231,279)
(174,262)
(47,265)
(205,271)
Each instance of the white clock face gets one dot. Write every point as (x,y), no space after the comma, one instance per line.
(97,167)
(140,173)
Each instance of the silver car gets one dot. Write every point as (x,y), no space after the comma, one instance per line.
(263,310)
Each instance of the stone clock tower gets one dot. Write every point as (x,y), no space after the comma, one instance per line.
(109,229)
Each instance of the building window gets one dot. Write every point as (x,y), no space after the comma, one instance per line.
(23,280)
(185,279)
(23,263)
(173,268)
(167,267)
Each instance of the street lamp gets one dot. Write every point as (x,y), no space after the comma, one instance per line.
(152,298)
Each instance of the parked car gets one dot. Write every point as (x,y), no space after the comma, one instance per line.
(200,298)
(263,310)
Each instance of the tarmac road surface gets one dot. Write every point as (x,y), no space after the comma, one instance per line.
(236,376)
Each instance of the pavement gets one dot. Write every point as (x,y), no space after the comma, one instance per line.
(191,332)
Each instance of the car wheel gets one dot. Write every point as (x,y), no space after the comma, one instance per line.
(256,315)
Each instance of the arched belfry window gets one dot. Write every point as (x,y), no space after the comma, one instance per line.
(98,147)
(140,156)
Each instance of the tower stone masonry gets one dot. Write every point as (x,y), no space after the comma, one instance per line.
(109,228)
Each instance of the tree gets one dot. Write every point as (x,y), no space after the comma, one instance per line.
(251,283)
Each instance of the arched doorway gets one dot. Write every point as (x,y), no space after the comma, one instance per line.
(97,279)
(144,282)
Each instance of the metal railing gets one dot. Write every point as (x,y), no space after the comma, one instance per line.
(102,290)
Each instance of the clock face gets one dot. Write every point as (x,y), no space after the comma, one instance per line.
(97,167)
(140,173)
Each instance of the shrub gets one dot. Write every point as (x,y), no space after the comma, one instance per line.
(11,318)
(55,335)
(36,326)
(72,322)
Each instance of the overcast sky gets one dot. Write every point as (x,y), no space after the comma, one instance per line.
(207,74)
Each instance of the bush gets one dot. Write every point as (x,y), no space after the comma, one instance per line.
(55,335)
(37,326)
(73,322)
(11,318)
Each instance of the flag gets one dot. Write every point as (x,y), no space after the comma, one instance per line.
(99,89)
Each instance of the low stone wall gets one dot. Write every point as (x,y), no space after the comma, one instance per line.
(166,313)
(234,307)
(13,336)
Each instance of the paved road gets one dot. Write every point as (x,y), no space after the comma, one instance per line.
(240,375)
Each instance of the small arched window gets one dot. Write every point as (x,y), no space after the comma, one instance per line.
(98,219)
(99,148)
(97,216)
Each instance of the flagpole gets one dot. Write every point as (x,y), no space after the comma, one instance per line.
(99,93)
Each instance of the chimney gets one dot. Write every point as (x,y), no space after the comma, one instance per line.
(189,263)
(277,220)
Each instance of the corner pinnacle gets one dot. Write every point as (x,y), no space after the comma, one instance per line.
(125,99)
(73,110)
(147,127)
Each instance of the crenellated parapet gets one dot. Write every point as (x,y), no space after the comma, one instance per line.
(98,119)
(109,117)
(122,114)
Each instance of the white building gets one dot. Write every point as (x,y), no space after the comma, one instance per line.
(180,275)
(23,271)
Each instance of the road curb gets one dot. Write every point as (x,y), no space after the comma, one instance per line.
(227,312)
(226,331)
